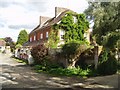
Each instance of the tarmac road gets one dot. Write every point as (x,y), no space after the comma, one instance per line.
(14,75)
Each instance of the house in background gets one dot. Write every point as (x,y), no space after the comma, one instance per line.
(2,45)
(40,34)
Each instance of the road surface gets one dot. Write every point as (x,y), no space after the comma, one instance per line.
(19,75)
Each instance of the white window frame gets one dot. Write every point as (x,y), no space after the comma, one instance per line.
(75,19)
(34,37)
(30,39)
(41,36)
(62,33)
(46,34)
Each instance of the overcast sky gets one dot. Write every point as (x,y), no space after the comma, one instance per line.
(16,15)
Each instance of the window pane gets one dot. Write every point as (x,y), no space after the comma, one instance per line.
(46,34)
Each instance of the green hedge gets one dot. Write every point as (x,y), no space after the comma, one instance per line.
(108,66)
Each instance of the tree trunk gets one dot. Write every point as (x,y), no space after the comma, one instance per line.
(96,56)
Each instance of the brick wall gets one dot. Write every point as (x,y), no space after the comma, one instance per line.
(39,32)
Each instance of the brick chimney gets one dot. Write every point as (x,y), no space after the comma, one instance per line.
(59,10)
(43,19)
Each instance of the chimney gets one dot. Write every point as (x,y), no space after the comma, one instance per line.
(59,10)
(43,19)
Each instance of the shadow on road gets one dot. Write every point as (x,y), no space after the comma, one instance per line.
(22,77)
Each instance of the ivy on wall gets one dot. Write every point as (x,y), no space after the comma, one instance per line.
(74,25)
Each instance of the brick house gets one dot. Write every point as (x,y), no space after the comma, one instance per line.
(40,34)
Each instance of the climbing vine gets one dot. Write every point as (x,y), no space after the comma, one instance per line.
(53,39)
(75,26)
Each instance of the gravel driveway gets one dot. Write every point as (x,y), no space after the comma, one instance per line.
(18,75)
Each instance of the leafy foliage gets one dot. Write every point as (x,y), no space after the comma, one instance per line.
(9,42)
(53,39)
(39,53)
(106,16)
(74,25)
(56,70)
(107,64)
(22,37)
(107,24)
(18,46)
(112,40)
(72,51)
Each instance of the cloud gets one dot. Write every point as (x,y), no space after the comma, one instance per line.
(7,3)
(27,4)
(17,27)
(1,25)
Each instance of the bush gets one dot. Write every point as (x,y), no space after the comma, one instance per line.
(72,51)
(39,53)
(108,64)
(56,70)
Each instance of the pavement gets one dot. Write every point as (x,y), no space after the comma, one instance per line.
(14,75)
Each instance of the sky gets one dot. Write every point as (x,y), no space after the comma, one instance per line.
(16,15)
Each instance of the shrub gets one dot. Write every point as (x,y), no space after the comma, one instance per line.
(72,50)
(63,71)
(107,64)
(39,53)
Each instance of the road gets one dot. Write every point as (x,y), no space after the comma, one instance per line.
(19,75)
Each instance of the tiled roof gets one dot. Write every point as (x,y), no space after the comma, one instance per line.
(46,24)
(34,43)
(51,21)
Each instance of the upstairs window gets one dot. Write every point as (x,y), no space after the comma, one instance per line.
(30,39)
(34,37)
(46,34)
(41,36)
(75,19)
(62,33)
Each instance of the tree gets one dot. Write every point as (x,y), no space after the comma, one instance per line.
(72,51)
(9,42)
(22,37)
(106,18)
(106,31)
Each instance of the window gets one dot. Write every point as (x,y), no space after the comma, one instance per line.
(46,34)
(30,39)
(62,33)
(41,36)
(74,18)
(34,37)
